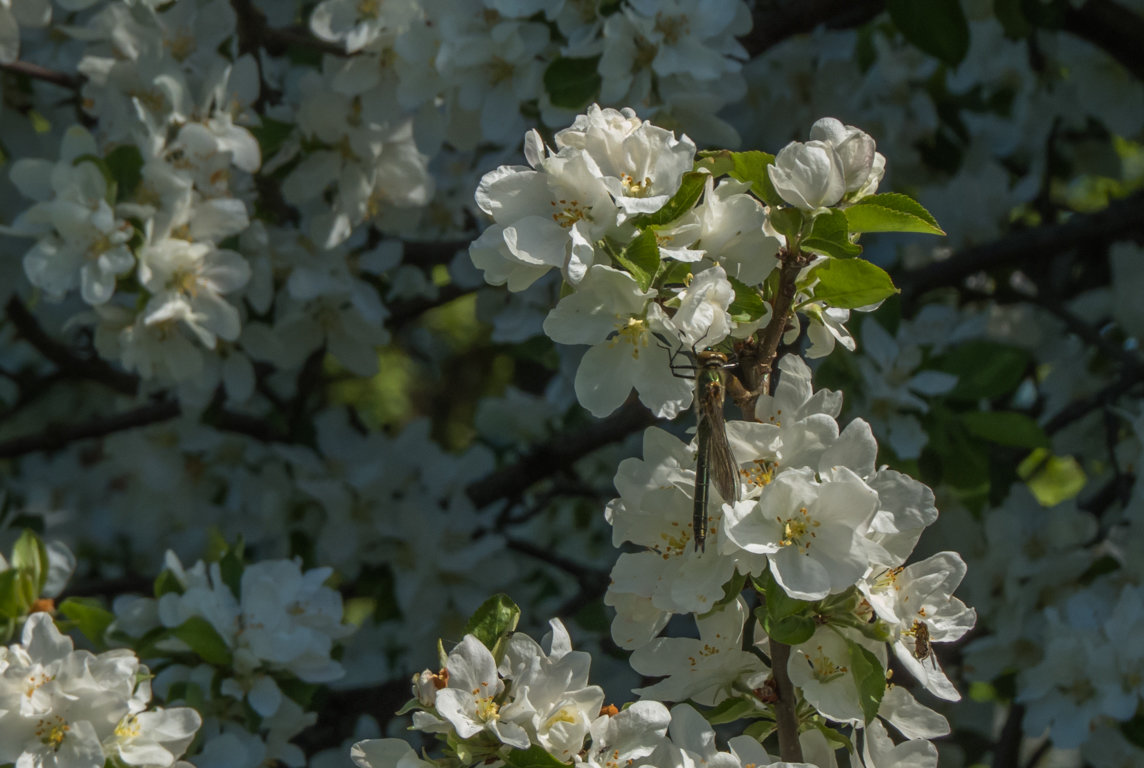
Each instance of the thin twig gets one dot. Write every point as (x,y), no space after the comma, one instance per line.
(1120,220)
(65,359)
(557,454)
(43,74)
(54,437)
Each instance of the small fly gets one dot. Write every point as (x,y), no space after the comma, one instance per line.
(714,462)
(922,648)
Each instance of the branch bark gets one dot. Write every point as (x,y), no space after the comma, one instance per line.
(1123,219)
(786,716)
(1114,29)
(557,454)
(65,358)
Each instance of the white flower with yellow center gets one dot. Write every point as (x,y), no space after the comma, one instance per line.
(703,670)
(812,532)
(610,312)
(470,703)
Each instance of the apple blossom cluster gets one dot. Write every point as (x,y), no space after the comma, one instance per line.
(235,641)
(75,709)
(535,699)
(616,208)
(655,253)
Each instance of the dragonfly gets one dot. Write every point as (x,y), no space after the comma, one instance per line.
(714,463)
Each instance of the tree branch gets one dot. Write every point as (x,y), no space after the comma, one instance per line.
(36,72)
(1121,220)
(54,437)
(64,358)
(557,454)
(1111,27)
(786,716)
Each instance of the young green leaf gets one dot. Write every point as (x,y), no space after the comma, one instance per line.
(535,756)
(830,235)
(850,283)
(749,167)
(730,710)
(89,616)
(496,617)
(640,258)
(684,199)
(869,677)
(204,640)
(891,212)
(747,305)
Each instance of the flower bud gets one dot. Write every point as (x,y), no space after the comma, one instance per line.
(862,167)
(808,176)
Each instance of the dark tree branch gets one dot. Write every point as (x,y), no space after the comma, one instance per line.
(1121,220)
(1111,27)
(777,20)
(589,579)
(36,72)
(254,32)
(54,437)
(64,358)
(1007,751)
(786,717)
(558,454)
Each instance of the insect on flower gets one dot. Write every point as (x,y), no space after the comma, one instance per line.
(714,461)
(923,649)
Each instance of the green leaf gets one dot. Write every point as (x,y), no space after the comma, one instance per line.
(788,222)
(850,283)
(938,27)
(749,167)
(869,677)
(790,630)
(89,616)
(984,369)
(684,199)
(640,258)
(779,604)
(1006,428)
(674,272)
(271,135)
(891,212)
(125,163)
(166,582)
(760,730)
(572,82)
(830,235)
(730,710)
(204,640)
(535,756)
(496,617)
(748,304)
(231,567)
(31,556)
(12,603)
(1052,479)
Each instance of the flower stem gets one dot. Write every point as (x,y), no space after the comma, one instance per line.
(786,716)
